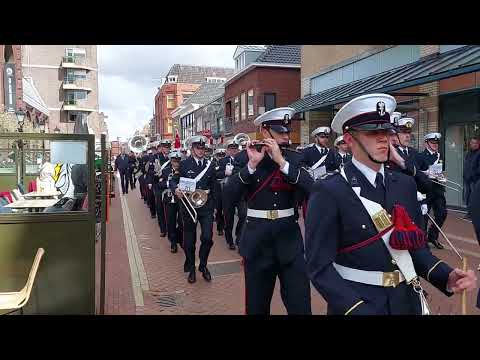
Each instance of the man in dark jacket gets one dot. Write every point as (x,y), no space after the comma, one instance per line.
(122,165)
(132,164)
(471,170)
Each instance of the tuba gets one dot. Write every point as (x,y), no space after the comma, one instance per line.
(138,143)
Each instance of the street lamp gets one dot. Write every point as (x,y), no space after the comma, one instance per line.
(20,119)
(56,130)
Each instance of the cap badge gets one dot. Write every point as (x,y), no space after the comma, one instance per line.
(408,125)
(381,108)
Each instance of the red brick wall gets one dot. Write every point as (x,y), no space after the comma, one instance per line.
(162,114)
(284,82)
(462,82)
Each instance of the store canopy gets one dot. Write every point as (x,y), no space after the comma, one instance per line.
(442,66)
(32,97)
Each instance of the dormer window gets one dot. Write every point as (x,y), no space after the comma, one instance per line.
(172,79)
(212,79)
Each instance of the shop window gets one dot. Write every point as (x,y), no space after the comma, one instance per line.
(270,101)
(243,106)
(237,109)
(250,102)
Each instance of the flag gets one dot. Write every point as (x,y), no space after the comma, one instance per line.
(177,140)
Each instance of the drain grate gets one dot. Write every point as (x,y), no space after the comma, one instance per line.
(168,300)
(226,268)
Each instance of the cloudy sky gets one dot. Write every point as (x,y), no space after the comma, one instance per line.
(129,77)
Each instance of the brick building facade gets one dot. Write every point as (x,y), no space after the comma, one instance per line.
(181,82)
(284,83)
(267,80)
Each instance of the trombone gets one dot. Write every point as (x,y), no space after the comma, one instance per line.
(193,200)
(441,179)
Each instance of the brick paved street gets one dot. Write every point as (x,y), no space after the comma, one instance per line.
(164,288)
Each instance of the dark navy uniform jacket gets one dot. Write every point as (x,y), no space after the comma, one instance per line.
(162,183)
(471,167)
(345,222)
(339,160)
(221,166)
(474,208)
(162,158)
(142,162)
(260,241)
(150,177)
(424,185)
(424,160)
(311,155)
(190,169)
(121,162)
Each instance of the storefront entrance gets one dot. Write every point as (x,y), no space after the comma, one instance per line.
(460,117)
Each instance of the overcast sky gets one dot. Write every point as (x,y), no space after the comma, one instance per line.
(129,77)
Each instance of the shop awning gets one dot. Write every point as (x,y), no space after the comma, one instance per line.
(452,63)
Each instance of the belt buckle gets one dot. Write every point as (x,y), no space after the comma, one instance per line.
(391,279)
(272,214)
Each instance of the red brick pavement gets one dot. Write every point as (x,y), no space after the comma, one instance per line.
(225,294)
(118,284)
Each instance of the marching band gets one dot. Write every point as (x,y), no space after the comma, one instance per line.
(365,203)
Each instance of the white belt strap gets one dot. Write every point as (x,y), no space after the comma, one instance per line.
(199,176)
(165,164)
(363,276)
(402,257)
(322,159)
(270,214)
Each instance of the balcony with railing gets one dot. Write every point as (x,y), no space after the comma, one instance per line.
(75,62)
(76,84)
(76,105)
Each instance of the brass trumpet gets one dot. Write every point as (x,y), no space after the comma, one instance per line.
(194,200)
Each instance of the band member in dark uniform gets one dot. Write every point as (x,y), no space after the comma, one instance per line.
(365,253)
(436,201)
(160,163)
(150,181)
(170,201)
(142,160)
(471,170)
(318,156)
(219,216)
(474,210)
(121,164)
(271,243)
(132,166)
(403,157)
(224,170)
(201,171)
(342,155)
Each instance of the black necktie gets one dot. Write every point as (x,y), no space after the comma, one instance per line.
(200,164)
(380,187)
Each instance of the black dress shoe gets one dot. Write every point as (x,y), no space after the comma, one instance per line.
(173,248)
(231,247)
(192,277)
(220,232)
(437,244)
(163,234)
(206,274)
(153,216)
